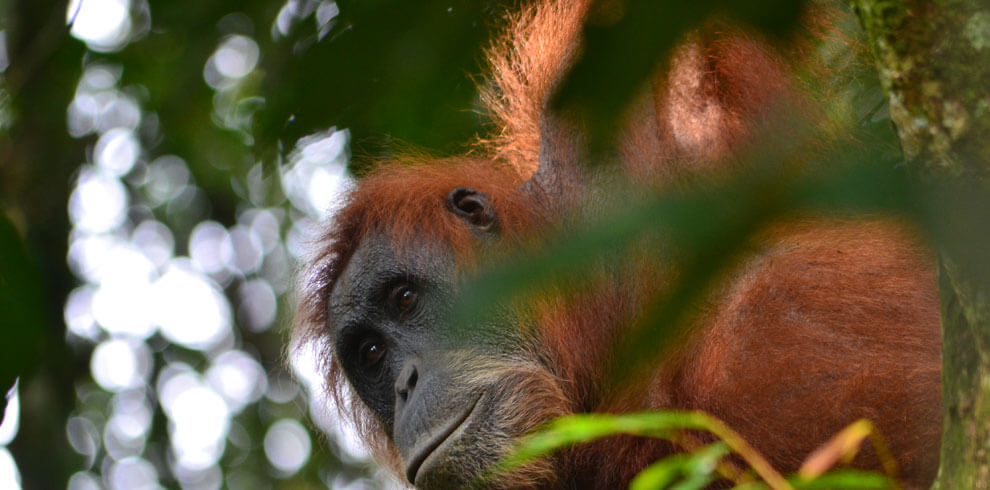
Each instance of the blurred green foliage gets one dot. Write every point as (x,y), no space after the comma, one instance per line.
(388,72)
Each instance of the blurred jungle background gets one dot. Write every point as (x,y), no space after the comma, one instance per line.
(163,165)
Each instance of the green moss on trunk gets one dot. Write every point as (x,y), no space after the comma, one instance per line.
(934,62)
(965,383)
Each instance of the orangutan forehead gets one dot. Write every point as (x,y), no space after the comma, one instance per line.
(379,254)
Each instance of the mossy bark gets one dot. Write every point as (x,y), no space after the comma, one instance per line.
(934,62)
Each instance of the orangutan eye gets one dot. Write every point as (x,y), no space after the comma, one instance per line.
(402,298)
(370,351)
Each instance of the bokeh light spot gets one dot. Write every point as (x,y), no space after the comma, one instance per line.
(133,473)
(325,14)
(91,256)
(258,305)
(11,415)
(155,241)
(287,445)
(189,308)
(10,478)
(118,364)
(209,478)
(236,56)
(104,25)
(117,150)
(238,378)
(265,224)
(99,107)
(299,239)
(4,57)
(317,173)
(98,203)
(84,437)
(129,424)
(122,303)
(245,249)
(84,480)
(305,365)
(167,177)
(78,313)
(199,422)
(210,247)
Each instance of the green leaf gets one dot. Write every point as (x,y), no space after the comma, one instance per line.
(699,466)
(661,474)
(857,479)
(694,482)
(389,71)
(582,428)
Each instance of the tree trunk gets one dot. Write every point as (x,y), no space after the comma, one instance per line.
(934,62)
(37,160)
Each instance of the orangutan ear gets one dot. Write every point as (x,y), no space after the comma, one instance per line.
(474,207)
(557,186)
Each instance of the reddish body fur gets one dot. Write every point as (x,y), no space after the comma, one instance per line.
(825,323)
(828,323)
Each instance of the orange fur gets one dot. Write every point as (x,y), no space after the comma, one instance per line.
(701,108)
(827,321)
(525,62)
(843,314)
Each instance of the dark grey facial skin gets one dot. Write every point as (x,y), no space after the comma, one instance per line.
(436,388)
(429,383)
(378,330)
(402,360)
